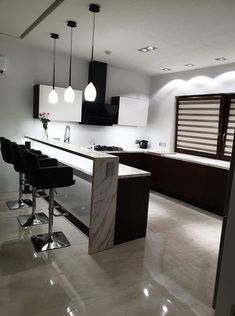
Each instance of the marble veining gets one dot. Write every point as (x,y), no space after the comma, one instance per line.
(103,205)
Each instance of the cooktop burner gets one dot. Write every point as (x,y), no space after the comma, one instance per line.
(107,148)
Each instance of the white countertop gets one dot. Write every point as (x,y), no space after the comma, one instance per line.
(137,150)
(81,158)
(200,160)
(185,157)
(81,151)
(129,172)
(126,170)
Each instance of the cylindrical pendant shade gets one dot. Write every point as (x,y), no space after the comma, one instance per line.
(90,92)
(69,95)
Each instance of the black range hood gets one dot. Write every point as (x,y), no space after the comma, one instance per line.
(99,113)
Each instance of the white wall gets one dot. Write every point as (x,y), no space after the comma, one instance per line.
(26,67)
(161,123)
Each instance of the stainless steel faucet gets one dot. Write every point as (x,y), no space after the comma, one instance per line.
(67,134)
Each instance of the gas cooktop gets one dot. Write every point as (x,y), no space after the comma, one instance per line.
(107,148)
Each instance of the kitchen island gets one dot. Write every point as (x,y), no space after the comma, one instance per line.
(109,201)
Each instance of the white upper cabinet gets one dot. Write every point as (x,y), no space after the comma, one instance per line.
(132,112)
(61,111)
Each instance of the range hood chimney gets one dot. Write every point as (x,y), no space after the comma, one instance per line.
(97,112)
(97,74)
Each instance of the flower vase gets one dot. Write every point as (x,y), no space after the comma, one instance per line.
(45,131)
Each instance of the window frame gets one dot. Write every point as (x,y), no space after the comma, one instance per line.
(225,100)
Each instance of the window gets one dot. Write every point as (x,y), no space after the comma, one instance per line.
(228,134)
(205,125)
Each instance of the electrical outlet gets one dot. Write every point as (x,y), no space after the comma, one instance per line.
(110,169)
(162,144)
(137,141)
(232,312)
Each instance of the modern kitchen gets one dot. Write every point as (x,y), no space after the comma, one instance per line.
(117,158)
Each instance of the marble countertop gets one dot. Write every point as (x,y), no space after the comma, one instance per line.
(185,157)
(92,154)
(129,172)
(85,168)
(200,160)
(137,150)
(75,149)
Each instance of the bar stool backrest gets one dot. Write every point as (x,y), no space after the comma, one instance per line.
(17,158)
(6,149)
(31,164)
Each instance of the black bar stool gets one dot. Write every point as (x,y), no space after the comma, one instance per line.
(48,178)
(17,158)
(7,157)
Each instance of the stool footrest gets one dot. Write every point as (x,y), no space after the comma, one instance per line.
(43,242)
(29,220)
(15,205)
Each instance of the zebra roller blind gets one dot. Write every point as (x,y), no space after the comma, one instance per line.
(197,125)
(229,134)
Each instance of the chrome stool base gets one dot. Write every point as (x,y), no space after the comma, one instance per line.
(15,205)
(52,241)
(29,220)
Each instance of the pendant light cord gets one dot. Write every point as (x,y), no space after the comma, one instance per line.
(93,38)
(70,64)
(54,65)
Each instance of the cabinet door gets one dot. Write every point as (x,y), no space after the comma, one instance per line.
(61,111)
(133,112)
(177,178)
(215,189)
(187,180)
(153,164)
(136,160)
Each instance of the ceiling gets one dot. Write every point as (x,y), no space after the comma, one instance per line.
(184,31)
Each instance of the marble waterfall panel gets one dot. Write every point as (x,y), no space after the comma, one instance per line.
(103,204)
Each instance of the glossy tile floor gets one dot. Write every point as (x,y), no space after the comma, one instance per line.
(169,273)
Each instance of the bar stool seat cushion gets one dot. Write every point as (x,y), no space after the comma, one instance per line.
(53,177)
(46,177)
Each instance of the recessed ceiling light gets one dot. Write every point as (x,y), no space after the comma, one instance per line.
(221,58)
(147,49)
(166,69)
(189,65)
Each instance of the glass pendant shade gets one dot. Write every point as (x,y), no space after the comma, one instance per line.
(90,92)
(69,95)
(53,97)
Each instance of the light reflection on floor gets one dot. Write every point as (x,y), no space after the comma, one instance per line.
(171,272)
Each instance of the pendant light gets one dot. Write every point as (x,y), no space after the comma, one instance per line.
(90,90)
(53,96)
(69,93)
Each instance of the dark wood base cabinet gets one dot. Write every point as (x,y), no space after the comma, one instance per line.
(136,160)
(132,209)
(200,185)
